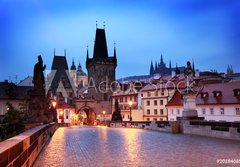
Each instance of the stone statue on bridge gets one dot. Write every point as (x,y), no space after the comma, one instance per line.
(39,104)
(38,77)
(188,76)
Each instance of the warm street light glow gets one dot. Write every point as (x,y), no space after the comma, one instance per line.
(104,112)
(130,103)
(54,103)
(99,116)
(61,112)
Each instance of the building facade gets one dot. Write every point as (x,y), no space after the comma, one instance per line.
(129,99)
(66,113)
(155,98)
(215,102)
(18,96)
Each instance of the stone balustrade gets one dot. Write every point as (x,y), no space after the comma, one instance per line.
(164,126)
(217,129)
(23,149)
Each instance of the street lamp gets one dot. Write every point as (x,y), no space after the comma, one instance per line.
(54,103)
(104,112)
(130,105)
(61,112)
(53,108)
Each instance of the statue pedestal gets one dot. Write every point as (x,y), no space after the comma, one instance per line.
(189,104)
(38,109)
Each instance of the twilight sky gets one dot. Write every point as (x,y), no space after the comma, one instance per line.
(207,31)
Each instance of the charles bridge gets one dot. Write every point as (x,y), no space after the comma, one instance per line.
(156,143)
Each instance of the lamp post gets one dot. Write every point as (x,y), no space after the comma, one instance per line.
(130,105)
(54,104)
(99,119)
(104,112)
(62,116)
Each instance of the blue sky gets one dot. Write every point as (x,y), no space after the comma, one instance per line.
(206,31)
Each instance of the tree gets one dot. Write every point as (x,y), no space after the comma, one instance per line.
(12,123)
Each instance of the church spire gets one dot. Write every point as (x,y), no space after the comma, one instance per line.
(73,67)
(151,69)
(54,52)
(170,64)
(177,71)
(156,67)
(193,68)
(161,62)
(65,52)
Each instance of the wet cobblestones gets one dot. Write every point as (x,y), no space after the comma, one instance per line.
(101,146)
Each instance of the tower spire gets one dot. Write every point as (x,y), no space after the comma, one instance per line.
(73,67)
(193,68)
(65,52)
(170,64)
(151,69)
(54,52)
(115,54)
(177,71)
(161,62)
(87,53)
(96,24)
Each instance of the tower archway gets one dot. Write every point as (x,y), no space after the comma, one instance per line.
(86,115)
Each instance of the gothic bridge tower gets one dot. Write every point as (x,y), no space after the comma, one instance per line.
(101,69)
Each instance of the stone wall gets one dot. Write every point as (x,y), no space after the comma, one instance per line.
(23,149)
(164,126)
(224,130)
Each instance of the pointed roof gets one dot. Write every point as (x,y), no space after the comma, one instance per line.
(161,62)
(80,71)
(73,67)
(59,63)
(193,68)
(115,54)
(100,46)
(177,71)
(170,64)
(151,69)
(156,66)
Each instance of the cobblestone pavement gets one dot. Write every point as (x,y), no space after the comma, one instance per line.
(102,146)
